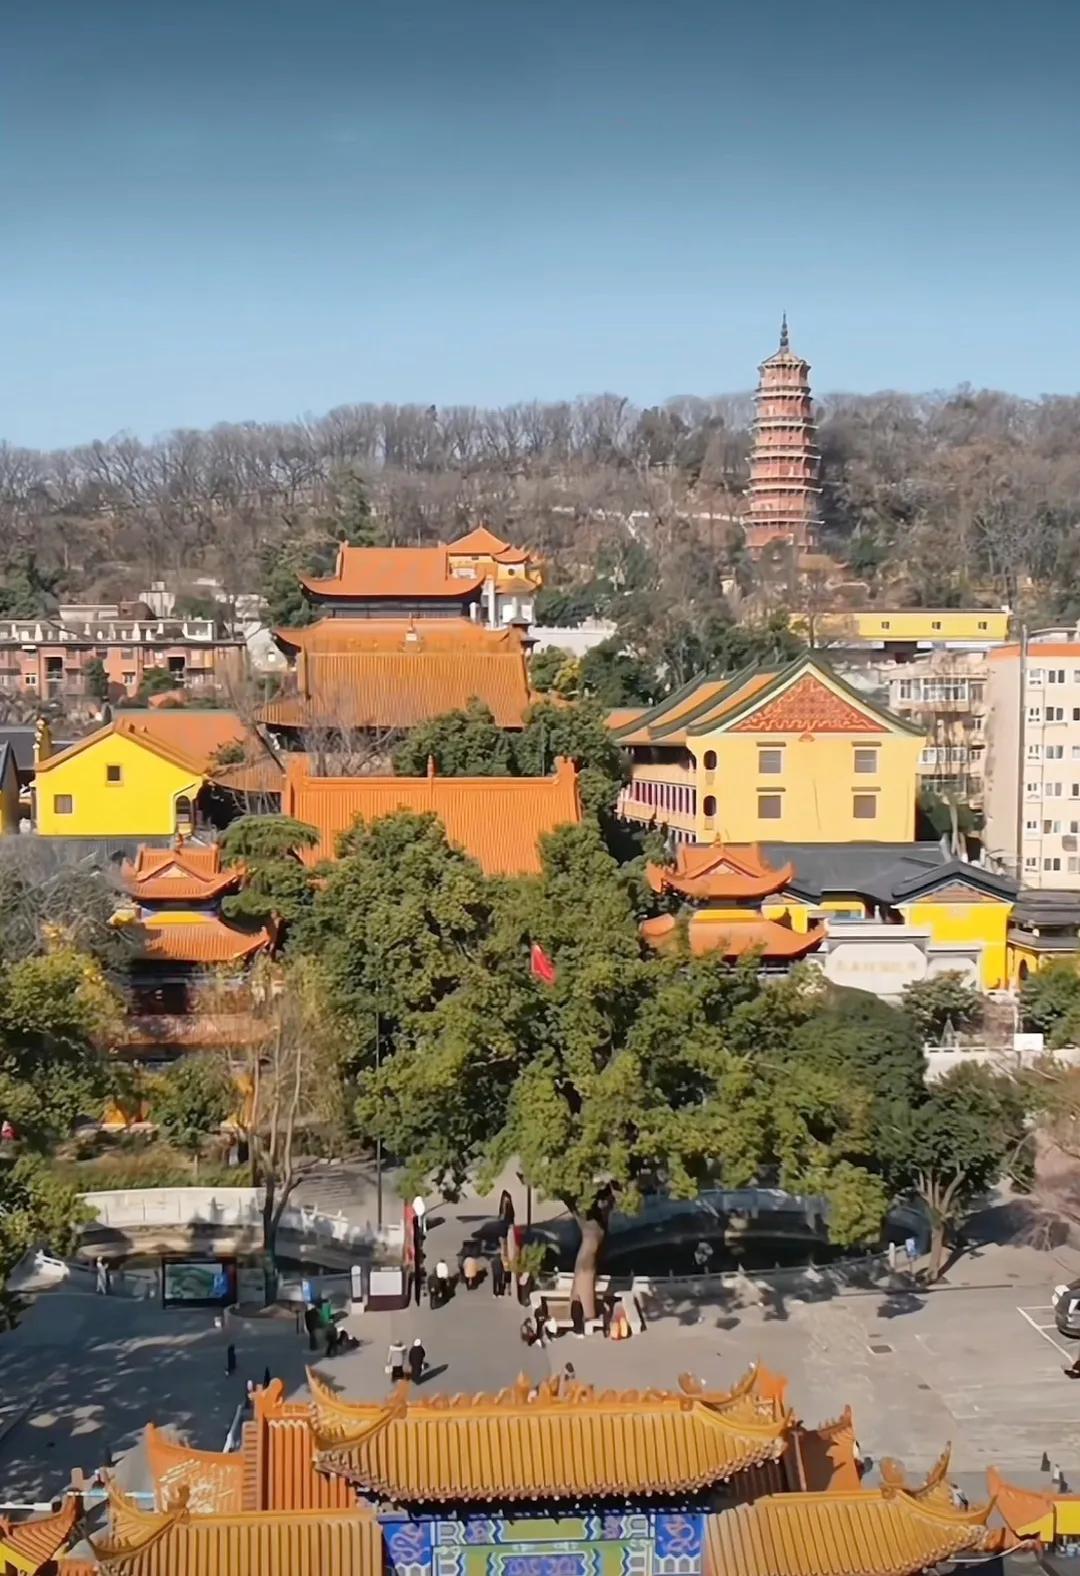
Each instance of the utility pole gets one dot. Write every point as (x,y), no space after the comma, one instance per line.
(378,1141)
(1021,754)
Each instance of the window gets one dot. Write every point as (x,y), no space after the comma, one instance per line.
(63,804)
(1052,864)
(708,760)
(1030,862)
(1031,826)
(1073,865)
(1074,828)
(1053,790)
(1055,714)
(114,774)
(128,679)
(769,806)
(886,623)
(1076,675)
(935,623)
(1034,752)
(1051,827)
(1055,752)
(1034,714)
(1032,790)
(1035,677)
(708,806)
(1055,675)
(31,681)
(905,690)
(866,760)
(983,624)
(1074,790)
(770,762)
(864,806)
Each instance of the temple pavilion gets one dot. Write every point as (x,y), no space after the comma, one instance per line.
(548,1479)
(720,888)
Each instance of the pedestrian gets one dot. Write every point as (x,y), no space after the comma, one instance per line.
(230,1359)
(471,1271)
(101,1277)
(434,1289)
(577,1317)
(266,1377)
(911,1248)
(498,1277)
(419,1209)
(417,1359)
(569,1373)
(528,1333)
(446,1286)
(395,1362)
(311,1325)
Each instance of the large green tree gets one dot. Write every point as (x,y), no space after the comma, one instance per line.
(192,1099)
(1050,1001)
(466,743)
(278,888)
(968,1131)
(614,1079)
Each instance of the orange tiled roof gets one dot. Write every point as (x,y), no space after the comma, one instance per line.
(719,871)
(826,1454)
(480,543)
(180,1542)
(398,689)
(863,1532)
(29,1545)
(274,1469)
(206,941)
(212,1480)
(394,572)
(264,775)
(550,1441)
(499,821)
(666,714)
(734,937)
(188,872)
(346,635)
(195,732)
(161,747)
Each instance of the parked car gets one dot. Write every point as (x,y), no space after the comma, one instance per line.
(1066,1305)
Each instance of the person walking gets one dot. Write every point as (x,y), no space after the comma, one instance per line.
(395,1362)
(498,1277)
(470,1269)
(101,1277)
(311,1325)
(442,1276)
(417,1360)
(419,1209)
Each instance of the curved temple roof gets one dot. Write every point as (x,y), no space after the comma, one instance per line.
(549,1441)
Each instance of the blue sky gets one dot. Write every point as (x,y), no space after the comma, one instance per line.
(249,209)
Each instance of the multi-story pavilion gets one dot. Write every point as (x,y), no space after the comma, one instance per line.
(783,500)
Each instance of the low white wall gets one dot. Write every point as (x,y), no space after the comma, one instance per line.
(229,1207)
(942,1059)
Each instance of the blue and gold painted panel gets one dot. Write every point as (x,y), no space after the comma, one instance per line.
(597,1543)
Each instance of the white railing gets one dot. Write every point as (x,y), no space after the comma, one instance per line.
(235,1207)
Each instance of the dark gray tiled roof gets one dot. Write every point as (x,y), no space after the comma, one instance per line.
(885,872)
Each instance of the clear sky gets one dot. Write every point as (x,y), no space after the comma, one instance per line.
(250,209)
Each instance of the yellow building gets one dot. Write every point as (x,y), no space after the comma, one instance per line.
(114,783)
(917,626)
(787,753)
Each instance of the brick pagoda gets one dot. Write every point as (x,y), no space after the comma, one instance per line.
(783,498)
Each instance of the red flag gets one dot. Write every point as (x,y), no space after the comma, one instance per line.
(540,965)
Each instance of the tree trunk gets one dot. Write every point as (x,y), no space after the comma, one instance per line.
(593,1236)
(937,1250)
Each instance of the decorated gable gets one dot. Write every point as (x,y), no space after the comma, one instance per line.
(809,705)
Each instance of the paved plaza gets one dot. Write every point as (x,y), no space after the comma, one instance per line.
(977,1363)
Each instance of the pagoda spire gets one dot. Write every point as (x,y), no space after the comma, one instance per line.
(784,341)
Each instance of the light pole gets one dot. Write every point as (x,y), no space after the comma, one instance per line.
(378,1139)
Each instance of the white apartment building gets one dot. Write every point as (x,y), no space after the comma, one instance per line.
(945,692)
(1032,767)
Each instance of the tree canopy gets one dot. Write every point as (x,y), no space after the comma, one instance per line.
(278,886)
